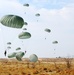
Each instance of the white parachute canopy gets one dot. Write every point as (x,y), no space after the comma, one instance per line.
(33,58)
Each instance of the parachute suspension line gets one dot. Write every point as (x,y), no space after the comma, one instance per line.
(45,36)
(22,44)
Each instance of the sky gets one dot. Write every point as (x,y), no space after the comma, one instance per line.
(57,15)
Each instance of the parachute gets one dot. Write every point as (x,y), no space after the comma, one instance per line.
(18,58)
(13,21)
(19,55)
(11,55)
(18,48)
(9,43)
(25,23)
(37,14)
(24,28)
(55,42)
(24,35)
(8,47)
(27,5)
(33,58)
(47,30)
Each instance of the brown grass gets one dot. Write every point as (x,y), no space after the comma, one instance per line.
(43,67)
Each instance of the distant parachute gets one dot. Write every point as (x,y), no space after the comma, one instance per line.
(24,35)
(25,23)
(18,48)
(24,28)
(19,55)
(47,30)
(55,42)
(27,5)
(33,58)
(13,21)
(9,43)
(37,14)
(11,55)
(8,47)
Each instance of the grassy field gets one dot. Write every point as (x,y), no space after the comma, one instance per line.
(45,66)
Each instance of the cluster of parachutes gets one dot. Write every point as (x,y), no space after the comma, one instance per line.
(54,42)
(19,55)
(15,21)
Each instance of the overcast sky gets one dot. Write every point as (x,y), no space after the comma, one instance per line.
(57,15)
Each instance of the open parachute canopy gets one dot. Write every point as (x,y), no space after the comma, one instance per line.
(25,23)
(8,47)
(11,55)
(55,42)
(19,55)
(33,58)
(24,28)
(27,5)
(8,43)
(13,21)
(18,48)
(24,35)
(37,14)
(47,30)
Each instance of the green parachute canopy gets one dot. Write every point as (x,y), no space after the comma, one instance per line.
(27,5)
(33,58)
(47,30)
(19,55)
(9,43)
(13,21)
(24,35)
(55,42)
(24,28)
(11,55)
(18,48)
(37,14)
(8,47)
(18,58)
(25,23)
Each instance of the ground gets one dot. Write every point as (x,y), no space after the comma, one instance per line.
(57,66)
